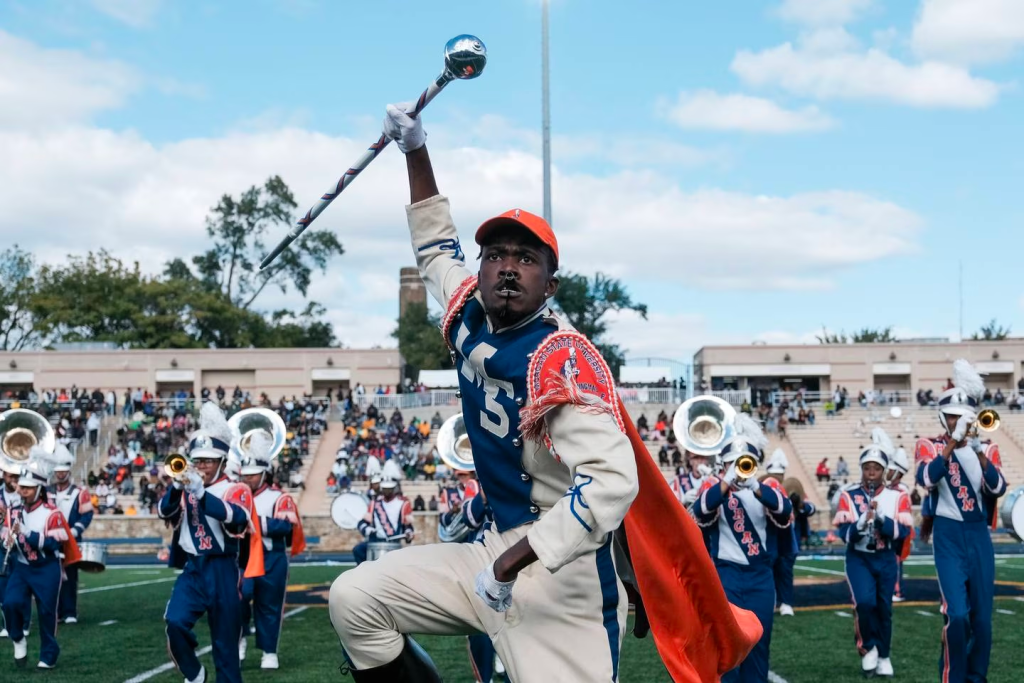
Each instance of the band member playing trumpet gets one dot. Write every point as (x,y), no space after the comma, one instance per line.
(963,485)
(870,518)
(75,504)
(42,544)
(281,527)
(388,519)
(788,542)
(9,500)
(687,485)
(744,520)
(205,545)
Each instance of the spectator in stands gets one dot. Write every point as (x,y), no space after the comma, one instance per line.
(1020,386)
(663,459)
(986,398)
(93,427)
(783,424)
(822,471)
(102,491)
(810,416)
(999,399)
(432,504)
(842,469)
(745,407)
(1015,402)
(436,421)
(418,505)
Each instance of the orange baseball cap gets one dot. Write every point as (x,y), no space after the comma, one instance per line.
(532,222)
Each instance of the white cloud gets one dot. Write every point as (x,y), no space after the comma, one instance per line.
(706,109)
(969,31)
(823,12)
(863,75)
(134,13)
(42,87)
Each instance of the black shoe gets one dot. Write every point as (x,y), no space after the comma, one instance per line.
(412,666)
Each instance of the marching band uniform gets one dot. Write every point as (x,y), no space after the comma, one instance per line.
(963,489)
(898,468)
(43,541)
(387,519)
(9,499)
(75,504)
(282,533)
(870,554)
(208,522)
(788,543)
(745,524)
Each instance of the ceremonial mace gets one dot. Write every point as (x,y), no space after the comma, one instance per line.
(464,58)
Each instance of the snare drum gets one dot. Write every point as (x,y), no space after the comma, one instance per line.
(378,549)
(1012,513)
(94,557)
(348,510)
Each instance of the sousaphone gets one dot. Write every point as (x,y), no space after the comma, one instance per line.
(246,423)
(20,431)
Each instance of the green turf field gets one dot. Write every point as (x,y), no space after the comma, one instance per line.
(120,635)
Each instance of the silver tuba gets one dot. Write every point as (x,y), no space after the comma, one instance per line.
(20,431)
(245,423)
(453,444)
(704,424)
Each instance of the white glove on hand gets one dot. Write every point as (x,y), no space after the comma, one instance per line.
(862,522)
(704,471)
(497,594)
(409,535)
(975,443)
(690,497)
(730,475)
(962,425)
(196,485)
(407,132)
(749,483)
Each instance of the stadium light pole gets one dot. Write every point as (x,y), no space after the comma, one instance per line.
(545,109)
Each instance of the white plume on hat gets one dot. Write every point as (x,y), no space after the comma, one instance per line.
(750,431)
(39,466)
(967,378)
(63,457)
(778,463)
(881,439)
(261,446)
(213,423)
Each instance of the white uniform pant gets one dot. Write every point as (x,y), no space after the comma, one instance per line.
(564,627)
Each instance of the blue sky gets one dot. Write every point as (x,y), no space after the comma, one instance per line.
(751,170)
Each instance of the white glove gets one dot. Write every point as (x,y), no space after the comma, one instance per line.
(407,132)
(497,594)
(862,522)
(195,485)
(749,483)
(409,535)
(690,497)
(730,475)
(975,443)
(177,484)
(962,425)
(704,470)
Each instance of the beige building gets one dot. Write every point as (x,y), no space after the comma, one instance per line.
(278,372)
(901,366)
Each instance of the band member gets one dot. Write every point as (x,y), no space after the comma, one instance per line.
(870,518)
(788,542)
(531,388)
(745,521)
(686,485)
(388,519)
(9,499)
(963,485)
(75,504)
(278,518)
(899,466)
(210,515)
(42,544)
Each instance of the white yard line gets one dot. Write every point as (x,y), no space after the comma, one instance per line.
(840,613)
(1005,611)
(776,678)
(108,623)
(146,675)
(926,614)
(820,570)
(118,586)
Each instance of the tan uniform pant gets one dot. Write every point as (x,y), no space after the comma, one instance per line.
(561,627)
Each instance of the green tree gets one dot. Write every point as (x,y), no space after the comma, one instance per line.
(827,337)
(993,331)
(586,300)
(18,328)
(420,342)
(866,335)
(308,329)
(238,229)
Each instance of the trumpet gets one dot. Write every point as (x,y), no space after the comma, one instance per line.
(988,420)
(746,466)
(177,467)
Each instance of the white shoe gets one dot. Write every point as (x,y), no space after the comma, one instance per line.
(21,649)
(269,661)
(201,678)
(44,665)
(884,667)
(242,647)
(785,610)
(71,620)
(869,662)
(3,633)
(898,598)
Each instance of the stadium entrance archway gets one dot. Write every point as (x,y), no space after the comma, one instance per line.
(330,378)
(229,379)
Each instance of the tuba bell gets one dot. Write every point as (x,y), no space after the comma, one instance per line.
(245,423)
(704,424)
(453,444)
(20,431)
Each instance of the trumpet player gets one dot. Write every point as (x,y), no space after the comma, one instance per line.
(687,485)
(871,518)
(76,506)
(42,543)
(278,517)
(205,546)
(963,484)
(9,500)
(744,519)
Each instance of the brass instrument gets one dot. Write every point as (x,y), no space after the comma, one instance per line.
(988,420)
(177,466)
(453,444)
(704,424)
(746,466)
(246,423)
(20,431)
